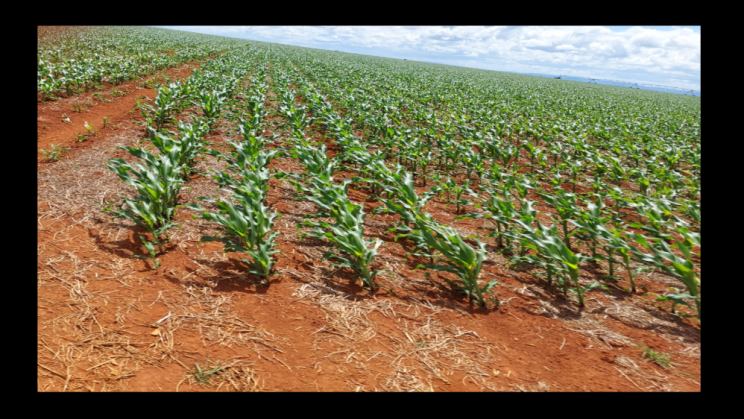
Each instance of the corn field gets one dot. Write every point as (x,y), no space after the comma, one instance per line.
(561,178)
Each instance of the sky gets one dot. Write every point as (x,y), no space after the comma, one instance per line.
(662,55)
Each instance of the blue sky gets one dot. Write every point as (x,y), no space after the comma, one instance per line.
(664,55)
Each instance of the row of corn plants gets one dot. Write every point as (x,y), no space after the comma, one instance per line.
(618,187)
(159,176)
(443,246)
(566,209)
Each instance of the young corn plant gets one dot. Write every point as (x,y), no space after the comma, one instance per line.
(347,231)
(567,208)
(453,190)
(189,143)
(316,161)
(453,152)
(372,167)
(327,196)
(620,201)
(474,162)
(248,129)
(691,208)
(658,216)
(506,154)
(247,224)
(297,118)
(498,211)
(151,252)
(54,153)
(588,223)
(575,167)
(256,105)
(614,243)
(599,166)
(347,234)
(158,184)
(458,257)
(555,271)
(247,155)
(519,186)
(680,266)
(210,102)
(524,218)
(427,157)
(91,131)
(410,150)
(162,108)
(549,244)
(644,179)
(402,198)
(533,152)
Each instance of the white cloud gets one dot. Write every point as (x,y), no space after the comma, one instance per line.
(640,54)
(565,47)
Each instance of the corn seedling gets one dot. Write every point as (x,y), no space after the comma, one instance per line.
(505,154)
(575,167)
(681,267)
(517,186)
(554,270)
(372,166)
(620,201)
(566,206)
(614,243)
(676,298)
(54,153)
(210,102)
(347,234)
(163,106)
(316,161)
(658,216)
(499,211)
(258,113)
(549,244)
(158,184)
(533,152)
(151,252)
(247,223)
(297,119)
(90,129)
(474,162)
(588,223)
(457,257)
(453,190)
(403,199)
(188,145)
(524,218)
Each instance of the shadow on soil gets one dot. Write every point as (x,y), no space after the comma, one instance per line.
(128,246)
(125,247)
(225,278)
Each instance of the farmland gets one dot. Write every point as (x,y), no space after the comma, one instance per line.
(217,214)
